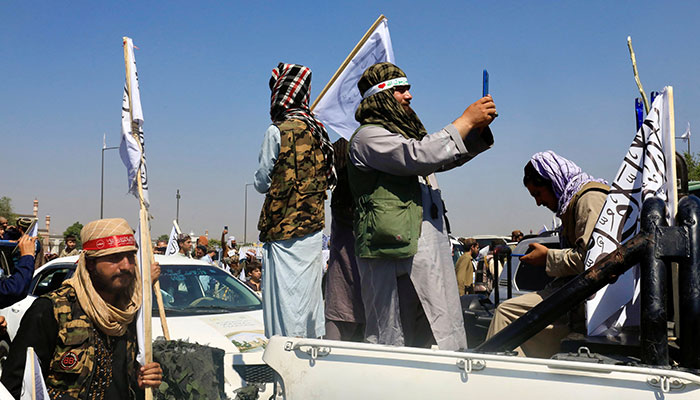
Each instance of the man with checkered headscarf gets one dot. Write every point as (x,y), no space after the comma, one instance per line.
(401,245)
(295,170)
(84,332)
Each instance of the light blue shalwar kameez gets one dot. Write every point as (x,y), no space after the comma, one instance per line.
(292,268)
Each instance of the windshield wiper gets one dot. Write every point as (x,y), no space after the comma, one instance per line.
(210,308)
(224,309)
(171,310)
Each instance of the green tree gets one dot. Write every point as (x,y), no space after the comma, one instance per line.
(213,243)
(6,210)
(693,163)
(75,231)
(163,237)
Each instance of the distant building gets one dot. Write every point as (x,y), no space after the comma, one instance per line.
(50,242)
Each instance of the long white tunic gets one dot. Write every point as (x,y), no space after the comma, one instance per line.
(387,296)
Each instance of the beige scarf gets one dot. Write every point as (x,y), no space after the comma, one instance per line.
(111,320)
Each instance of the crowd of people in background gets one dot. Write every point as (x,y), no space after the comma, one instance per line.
(246,267)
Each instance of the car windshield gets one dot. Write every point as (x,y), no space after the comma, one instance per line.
(199,289)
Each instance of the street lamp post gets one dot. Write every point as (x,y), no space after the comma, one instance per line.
(245,214)
(102,180)
(177,210)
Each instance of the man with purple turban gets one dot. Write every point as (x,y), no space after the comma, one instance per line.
(577,198)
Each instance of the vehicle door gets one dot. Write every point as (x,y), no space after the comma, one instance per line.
(45,281)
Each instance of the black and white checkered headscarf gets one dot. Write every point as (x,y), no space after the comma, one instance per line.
(290,85)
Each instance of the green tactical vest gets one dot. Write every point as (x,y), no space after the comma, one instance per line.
(294,203)
(388,212)
(73,361)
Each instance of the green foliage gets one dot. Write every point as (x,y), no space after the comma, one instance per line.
(163,237)
(693,163)
(213,243)
(75,231)
(6,210)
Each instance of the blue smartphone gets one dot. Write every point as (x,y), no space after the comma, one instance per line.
(638,112)
(486,83)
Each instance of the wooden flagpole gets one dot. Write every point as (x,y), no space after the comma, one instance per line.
(636,74)
(147,250)
(674,193)
(159,299)
(347,60)
(672,128)
(33,372)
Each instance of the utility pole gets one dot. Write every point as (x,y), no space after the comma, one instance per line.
(177,210)
(102,180)
(245,214)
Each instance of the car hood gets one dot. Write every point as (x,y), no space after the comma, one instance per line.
(241,332)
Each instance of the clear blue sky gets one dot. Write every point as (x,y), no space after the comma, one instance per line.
(560,75)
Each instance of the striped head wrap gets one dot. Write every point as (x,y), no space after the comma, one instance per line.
(567,178)
(290,85)
(381,107)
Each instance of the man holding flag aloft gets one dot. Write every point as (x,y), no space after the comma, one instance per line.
(84,333)
(402,248)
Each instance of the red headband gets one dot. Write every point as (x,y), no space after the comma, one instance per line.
(109,242)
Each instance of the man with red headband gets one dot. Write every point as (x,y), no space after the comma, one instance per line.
(295,170)
(401,244)
(84,333)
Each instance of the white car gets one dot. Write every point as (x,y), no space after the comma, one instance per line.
(203,304)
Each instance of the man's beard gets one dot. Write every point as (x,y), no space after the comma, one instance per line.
(108,284)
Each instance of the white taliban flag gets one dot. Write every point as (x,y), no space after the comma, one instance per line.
(336,109)
(173,247)
(647,170)
(131,150)
(33,386)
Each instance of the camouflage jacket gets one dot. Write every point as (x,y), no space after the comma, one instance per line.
(72,367)
(294,203)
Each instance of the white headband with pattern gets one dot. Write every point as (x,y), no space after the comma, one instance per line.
(403,81)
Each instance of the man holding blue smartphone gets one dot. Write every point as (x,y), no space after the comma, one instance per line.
(402,248)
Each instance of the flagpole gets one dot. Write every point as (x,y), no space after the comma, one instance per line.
(636,74)
(672,135)
(33,364)
(144,231)
(149,245)
(347,59)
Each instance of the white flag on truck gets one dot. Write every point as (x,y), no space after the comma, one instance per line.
(647,170)
(131,150)
(336,109)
